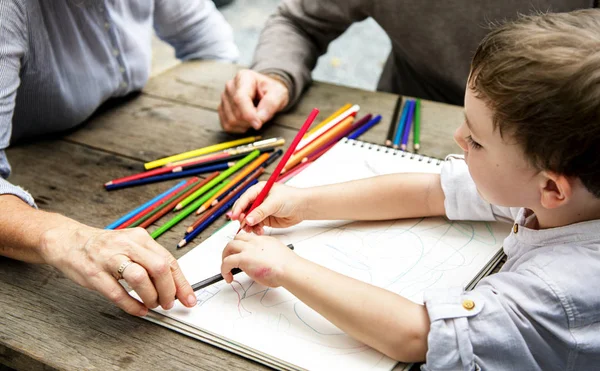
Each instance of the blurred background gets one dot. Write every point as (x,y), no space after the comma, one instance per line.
(355,59)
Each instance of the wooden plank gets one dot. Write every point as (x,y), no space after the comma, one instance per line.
(47,318)
(200,84)
(146,128)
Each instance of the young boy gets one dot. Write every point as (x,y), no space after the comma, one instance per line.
(531,141)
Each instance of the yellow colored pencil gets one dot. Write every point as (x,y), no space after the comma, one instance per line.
(328,119)
(198,152)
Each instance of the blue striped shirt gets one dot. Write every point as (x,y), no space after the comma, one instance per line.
(61,59)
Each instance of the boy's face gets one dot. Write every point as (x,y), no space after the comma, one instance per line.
(496,163)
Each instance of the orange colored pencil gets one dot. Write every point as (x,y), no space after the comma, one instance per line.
(341,110)
(231,194)
(317,143)
(245,171)
(258,172)
(174,203)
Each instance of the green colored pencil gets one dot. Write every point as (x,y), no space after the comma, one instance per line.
(187,211)
(238,165)
(417,126)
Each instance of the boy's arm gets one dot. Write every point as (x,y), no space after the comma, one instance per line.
(379,318)
(394,196)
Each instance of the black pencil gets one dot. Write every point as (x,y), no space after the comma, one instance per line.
(217,277)
(390,134)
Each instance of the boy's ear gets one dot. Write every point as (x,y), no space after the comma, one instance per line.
(555,189)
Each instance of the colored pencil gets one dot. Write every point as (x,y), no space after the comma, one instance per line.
(342,134)
(261,196)
(299,155)
(417,127)
(241,163)
(264,146)
(409,119)
(198,152)
(213,216)
(187,211)
(255,175)
(169,205)
(400,128)
(138,209)
(390,134)
(233,181)
(341,110)
(163,177)
(231,194)
(360,131)
(351,112)
(157,204)
(293,172)
(218,277)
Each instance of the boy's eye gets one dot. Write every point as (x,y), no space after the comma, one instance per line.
(473,143)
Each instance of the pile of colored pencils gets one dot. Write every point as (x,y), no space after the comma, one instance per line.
(397,136)
(210,197)
(325,135)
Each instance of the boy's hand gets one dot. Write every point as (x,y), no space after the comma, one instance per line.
(263,258)
(283,207)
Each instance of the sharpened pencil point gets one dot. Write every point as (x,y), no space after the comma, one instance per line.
(108,183)
(388,143)
(181,243)
(403,147)
(200,210)
(417,147)
(178,207)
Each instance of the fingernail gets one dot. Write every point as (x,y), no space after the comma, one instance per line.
(143,312)
(262,115)
(229,214)
(256,124)
(169,306)
(191,299)
(250,220)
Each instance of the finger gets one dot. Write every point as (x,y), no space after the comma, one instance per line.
(106,285)
(269,104)
(245,200)
(243,98)
(230,121)
(258,230)
(137,278)
(184,290)
(266,209)
(230,262)
(233,247)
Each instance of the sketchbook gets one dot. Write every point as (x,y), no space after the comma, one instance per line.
(273,327)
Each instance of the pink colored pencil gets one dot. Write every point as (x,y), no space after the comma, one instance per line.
(293,172)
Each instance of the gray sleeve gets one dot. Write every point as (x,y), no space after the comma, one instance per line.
(462,200)
(13,44)
(196,29)
(298,33)
(516,321)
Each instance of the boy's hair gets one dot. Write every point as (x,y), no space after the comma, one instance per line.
(540,76)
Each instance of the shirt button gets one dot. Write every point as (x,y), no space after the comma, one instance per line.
(516,228)
(468,304)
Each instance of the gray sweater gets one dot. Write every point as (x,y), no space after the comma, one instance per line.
(432,41)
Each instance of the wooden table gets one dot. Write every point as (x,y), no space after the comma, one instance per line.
(48,322)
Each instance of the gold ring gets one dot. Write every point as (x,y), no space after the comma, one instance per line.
(122,268)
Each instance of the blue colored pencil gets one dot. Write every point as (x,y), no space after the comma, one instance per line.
(409,119)
(400,127)
(193,234)
(139,209)
(163,177)
(358,132)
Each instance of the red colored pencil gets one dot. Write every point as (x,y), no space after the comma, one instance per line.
(174,203)
(286,156)
(150,208)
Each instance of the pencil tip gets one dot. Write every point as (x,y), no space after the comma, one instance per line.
(108,183)
(181,243)
(178,207)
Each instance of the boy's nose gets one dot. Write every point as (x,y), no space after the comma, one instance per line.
(459,138)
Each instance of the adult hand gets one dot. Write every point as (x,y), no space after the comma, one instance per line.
(283,207)
(237,110)
(263,258)
(93,257)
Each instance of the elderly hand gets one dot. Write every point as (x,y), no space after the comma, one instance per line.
(237,110)
(97,259)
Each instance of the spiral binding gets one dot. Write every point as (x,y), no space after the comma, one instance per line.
(395,152)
